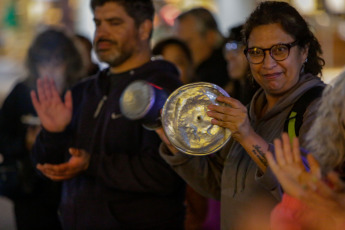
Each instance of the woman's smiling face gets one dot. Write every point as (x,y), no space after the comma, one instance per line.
(276,77)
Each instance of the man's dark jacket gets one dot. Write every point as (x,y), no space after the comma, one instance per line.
(127,185)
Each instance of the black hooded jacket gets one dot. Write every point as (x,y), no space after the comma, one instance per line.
(127,185)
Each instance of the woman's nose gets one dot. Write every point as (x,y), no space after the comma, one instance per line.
(268,62)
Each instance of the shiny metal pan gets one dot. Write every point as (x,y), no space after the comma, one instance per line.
(186,124)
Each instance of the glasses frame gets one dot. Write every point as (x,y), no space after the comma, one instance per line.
(288,45)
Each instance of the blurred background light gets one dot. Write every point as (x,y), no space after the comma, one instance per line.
(341,30)
(305,6)
(323,19)
(335,6)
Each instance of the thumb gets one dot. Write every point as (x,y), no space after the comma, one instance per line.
(68,100)
(314,166)
(75,152)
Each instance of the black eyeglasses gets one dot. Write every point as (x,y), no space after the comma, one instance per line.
(278,52)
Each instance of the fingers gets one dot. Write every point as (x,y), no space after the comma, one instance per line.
(337,183)
(53,92)
(41,91)
(232,102)
(48,85)
(46,90)
(321,188)
(314,166)
(75,152)
(296,153)
(272,162)
(287,148)
(34,100)
(57,172)
(53,169)
(54,175)
(162,135)
(279,152)
(68,100)
(235,107)
(164,138)
(283,151)
(223,114)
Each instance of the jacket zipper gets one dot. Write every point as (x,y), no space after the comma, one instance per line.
(99,106)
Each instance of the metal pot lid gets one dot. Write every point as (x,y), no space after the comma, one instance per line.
(136,100)
(186,124)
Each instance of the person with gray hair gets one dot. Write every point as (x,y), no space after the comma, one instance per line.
(198,28)
(326,138)
(315,198)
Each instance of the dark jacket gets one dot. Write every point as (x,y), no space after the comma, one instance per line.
(15,116)
(127,184)
(213,69)
(18,179)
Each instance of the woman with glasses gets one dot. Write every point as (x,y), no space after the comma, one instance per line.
(284,59)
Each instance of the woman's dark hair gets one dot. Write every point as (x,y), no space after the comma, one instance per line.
(293,23)
(139,10)
(235,34)
(158,49)
(54,45)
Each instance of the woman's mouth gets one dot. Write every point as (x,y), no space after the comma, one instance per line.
(272,75)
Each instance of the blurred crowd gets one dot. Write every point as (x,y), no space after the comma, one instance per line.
(70,160)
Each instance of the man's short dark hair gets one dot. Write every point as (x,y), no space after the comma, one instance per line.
(204,18)
(139,10)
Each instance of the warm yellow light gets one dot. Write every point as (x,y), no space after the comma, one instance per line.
(36,10)
(53,16)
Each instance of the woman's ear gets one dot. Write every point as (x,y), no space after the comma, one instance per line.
(304,52)
(145,29)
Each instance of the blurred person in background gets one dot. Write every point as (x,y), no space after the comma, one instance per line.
(53,53)
(201,213)
(91,67)
(315,198)
(112,174)
(285,60)
(242,87)
(177,52)
(199,30)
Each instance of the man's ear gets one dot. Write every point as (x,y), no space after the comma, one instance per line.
(145,29)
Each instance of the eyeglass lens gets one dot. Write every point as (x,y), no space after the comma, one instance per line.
(278,52)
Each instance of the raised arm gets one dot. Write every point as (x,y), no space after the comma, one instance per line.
(323,195)
(54,115)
